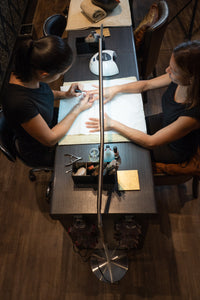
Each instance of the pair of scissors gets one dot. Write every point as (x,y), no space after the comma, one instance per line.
(74,159)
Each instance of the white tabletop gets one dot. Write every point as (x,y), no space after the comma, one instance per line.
(126,108)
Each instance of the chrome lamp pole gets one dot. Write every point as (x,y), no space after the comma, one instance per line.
(107,265)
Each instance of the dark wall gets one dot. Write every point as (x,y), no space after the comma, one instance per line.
(11,17)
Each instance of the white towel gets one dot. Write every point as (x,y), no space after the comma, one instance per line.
(93,12)
(76,20)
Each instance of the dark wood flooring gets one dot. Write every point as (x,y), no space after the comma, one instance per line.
(37,261)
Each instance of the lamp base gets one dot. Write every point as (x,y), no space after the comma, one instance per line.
(111,268)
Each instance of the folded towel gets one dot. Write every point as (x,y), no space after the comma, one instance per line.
(93,12)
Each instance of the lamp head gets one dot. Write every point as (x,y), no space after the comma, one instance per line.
(109,65)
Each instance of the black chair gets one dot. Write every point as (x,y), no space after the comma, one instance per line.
(6,139)
(148,54)
(9,149)
(55,25)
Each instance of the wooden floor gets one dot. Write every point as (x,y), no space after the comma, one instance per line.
(37,261)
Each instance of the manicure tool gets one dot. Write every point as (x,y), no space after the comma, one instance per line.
(76,158)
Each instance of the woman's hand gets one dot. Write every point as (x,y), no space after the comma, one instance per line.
(94,124)
(72,90)
(108,93)
(85,103)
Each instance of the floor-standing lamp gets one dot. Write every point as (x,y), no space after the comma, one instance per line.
(108,265)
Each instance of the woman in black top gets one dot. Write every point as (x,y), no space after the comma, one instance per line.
(28,101)
(173,134)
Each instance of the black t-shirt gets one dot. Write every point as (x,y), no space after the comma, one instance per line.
(20,104)
(171,112)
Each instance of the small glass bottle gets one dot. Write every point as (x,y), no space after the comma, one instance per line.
(116,154)
(108,154)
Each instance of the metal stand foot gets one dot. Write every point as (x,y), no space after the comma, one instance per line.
(111,268)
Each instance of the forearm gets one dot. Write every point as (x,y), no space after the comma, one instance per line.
(144,85)
(60,94)
(132,87)
(134,135)
(60,129)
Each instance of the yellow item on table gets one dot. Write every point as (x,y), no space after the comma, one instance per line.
(128,180)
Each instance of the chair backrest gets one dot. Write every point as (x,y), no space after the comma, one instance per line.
(6,139)
(152,41)
(55,25)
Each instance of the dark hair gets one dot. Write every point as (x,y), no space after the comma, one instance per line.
(187,58)
(51,54)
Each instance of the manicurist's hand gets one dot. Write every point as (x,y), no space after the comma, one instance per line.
(108,93)
(72,90)
(93,123)
(85,103)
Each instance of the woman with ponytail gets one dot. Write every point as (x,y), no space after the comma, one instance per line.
(28,101)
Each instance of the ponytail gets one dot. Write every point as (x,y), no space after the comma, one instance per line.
(22,59)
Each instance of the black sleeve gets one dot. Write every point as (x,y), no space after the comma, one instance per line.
(19,107)
(194,112)
(24,111)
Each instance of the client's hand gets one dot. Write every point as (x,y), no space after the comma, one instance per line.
(108,93)
(85,103)
(94,123)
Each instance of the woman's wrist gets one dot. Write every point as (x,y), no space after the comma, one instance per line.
(60,94)
(114,125)
(77,109)
(66,94)
(119,89)
(110,124)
